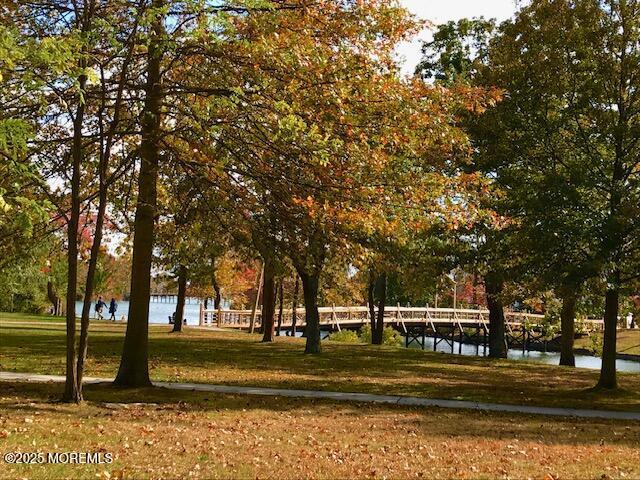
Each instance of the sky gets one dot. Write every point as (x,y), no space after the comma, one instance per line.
(441,11)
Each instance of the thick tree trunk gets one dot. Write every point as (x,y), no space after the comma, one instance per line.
(567,325)
(608,369)
(268,301)
(310,285)
(294,306)
(280,308)
(497,338)
(134,364)
(182,294)
(381,291)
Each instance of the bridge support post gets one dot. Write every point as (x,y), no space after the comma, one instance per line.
(453,336)
(435,338)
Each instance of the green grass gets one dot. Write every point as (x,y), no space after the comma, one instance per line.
(181,434)
(628,342)
(235,358)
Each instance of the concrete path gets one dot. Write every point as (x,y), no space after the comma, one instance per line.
(353,397)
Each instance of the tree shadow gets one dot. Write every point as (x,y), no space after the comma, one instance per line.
(431,421)
(341,367)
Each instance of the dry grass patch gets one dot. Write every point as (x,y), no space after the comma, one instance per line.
(198,435)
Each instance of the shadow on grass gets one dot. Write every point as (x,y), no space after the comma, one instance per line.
(238,359)
(108,399)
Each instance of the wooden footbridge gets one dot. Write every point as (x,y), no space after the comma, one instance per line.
(445,325)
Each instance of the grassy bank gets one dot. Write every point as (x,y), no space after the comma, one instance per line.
(627,343)
(240,359)
(224,436)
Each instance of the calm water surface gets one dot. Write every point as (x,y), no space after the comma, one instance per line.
(552,358)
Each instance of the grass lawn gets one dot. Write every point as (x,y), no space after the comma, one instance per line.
(240,359)
(198,435)
(628,342)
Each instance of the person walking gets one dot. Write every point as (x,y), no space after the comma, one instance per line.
(113,307)
(99,306)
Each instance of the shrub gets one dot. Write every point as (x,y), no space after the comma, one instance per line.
(595,344)
(345,336)
(389,336)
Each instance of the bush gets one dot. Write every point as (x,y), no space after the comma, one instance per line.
(595,344)
(389,336)
(345,336)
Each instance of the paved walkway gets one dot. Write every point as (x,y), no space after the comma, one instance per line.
(353,397)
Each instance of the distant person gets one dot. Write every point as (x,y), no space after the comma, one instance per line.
(99,306)
(113,307)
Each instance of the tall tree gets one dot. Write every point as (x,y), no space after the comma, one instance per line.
(568,138)
(317,163)
(458,55)
(134,366)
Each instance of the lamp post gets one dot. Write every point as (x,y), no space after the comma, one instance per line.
(451,277)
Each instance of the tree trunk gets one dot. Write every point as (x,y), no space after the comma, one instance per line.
(381,291)
(608,369)
(294,306)
(53,297)
(182,293)
(281,300)
(134,364)
(310,285)
(268,301)
(252,322)
(88,289)
(371,301)
(105,156)
(567,325)
(217,300)
(71,392)
(497,338)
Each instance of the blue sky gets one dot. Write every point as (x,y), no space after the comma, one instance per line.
(440,11)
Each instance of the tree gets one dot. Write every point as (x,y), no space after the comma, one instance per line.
(311,162)
(570,118)
(134,368)
(459,54)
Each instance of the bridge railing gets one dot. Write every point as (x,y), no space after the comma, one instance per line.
(358,315)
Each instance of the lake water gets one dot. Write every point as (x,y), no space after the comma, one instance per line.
(158,312)
(551,358)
